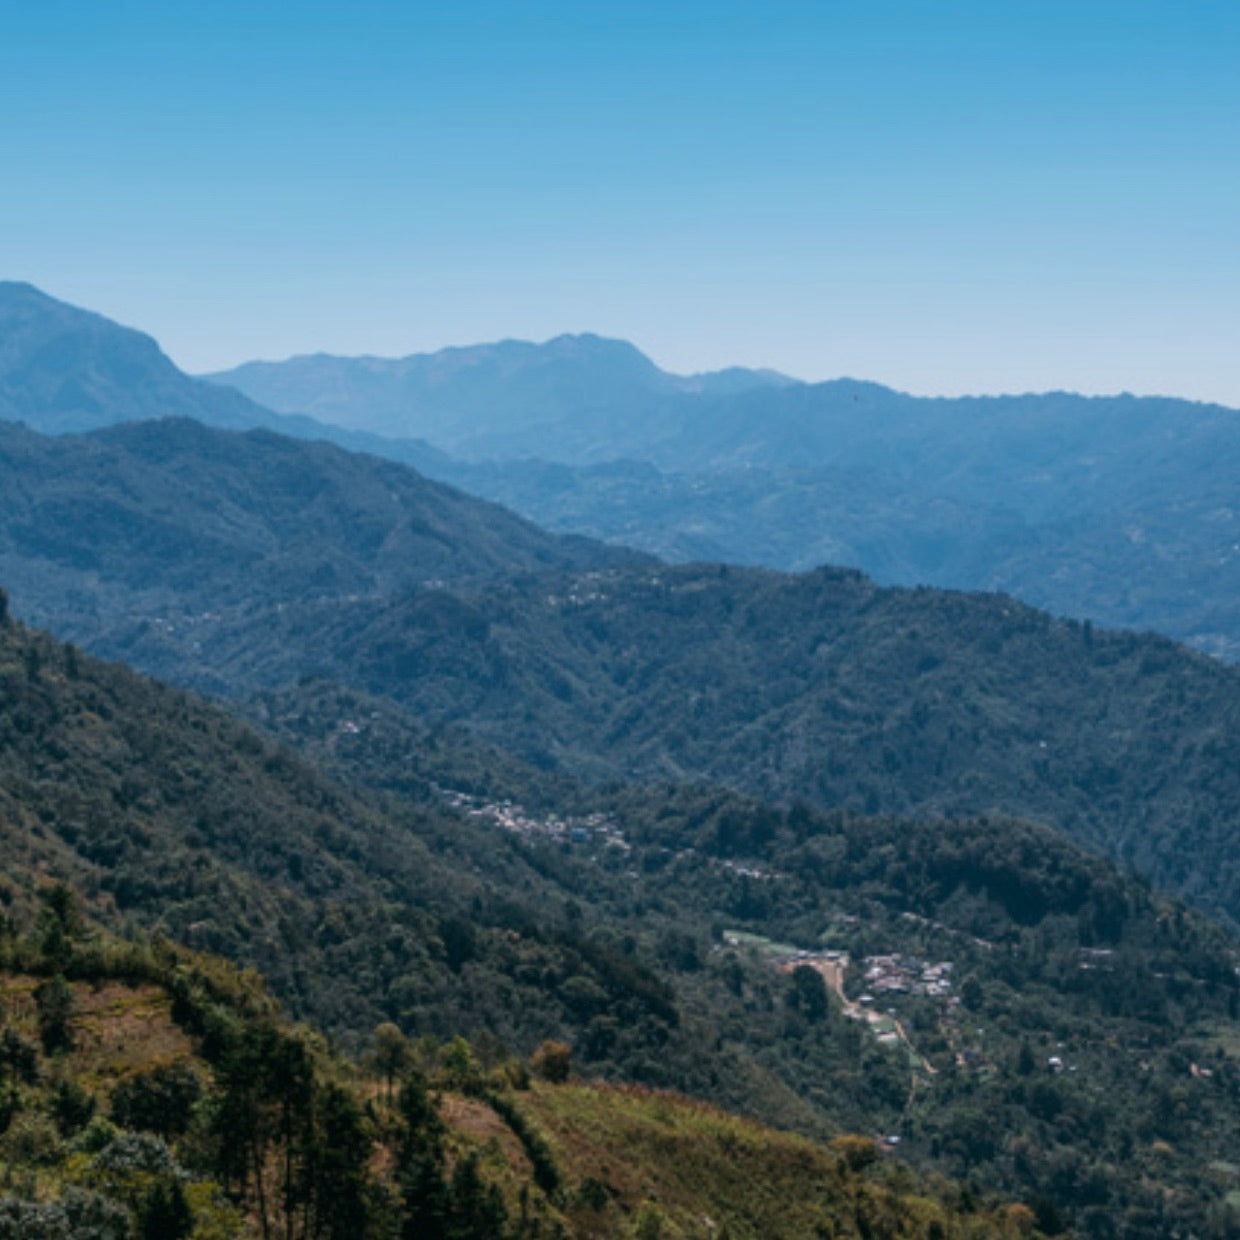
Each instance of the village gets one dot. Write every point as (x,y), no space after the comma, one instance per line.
(510,816)
(884,977)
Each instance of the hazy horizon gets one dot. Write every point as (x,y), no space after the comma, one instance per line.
(958,201)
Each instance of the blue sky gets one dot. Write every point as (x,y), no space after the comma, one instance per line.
(947,197)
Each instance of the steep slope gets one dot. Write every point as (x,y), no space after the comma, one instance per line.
(645,927)
(173,514)
(65,369)
(823,687)
(794,520)
(165,811)
(155,1093)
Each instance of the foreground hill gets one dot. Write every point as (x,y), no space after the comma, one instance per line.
(151,1093)
(683,939)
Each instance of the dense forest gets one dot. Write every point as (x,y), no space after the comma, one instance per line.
(822,687)
(236,563)
(676,937)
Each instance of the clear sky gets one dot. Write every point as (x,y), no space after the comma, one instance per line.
(942,196)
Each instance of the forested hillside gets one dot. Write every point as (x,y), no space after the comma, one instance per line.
(822,687)
(679,938)
(240,562)
(159,518)
(150,1093)
(244,562)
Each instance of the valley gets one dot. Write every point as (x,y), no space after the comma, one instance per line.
(940,883)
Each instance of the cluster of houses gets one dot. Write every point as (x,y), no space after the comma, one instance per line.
(906,975)
(510,816)
(749,870)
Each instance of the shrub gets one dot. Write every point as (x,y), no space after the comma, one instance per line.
(553,1061)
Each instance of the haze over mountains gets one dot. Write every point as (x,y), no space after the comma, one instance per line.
(577,398)
(240,562)
(1116,508)
(64,370)
(519,785)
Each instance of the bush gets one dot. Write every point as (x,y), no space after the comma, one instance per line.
(71,1106)
(76,1216)
(857,1152)
(553,1061)
(32,1139)
(55,1003)
(134,1152)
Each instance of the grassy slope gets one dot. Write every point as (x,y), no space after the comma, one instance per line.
(658,1165)
(707,1172)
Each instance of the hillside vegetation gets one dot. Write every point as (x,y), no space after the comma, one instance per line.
(152,1094)
(238,563)
(171,516)
(822,687)
(662,933)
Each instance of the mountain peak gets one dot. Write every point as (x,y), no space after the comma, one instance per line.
(64,369)
(21,289)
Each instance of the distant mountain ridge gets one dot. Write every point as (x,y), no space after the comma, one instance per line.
(1117,508)
(65,370)
(508,398)
(1120,509)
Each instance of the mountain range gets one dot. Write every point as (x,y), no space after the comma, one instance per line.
(1119,508)
(827,852)
(245,562)
(575,398)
